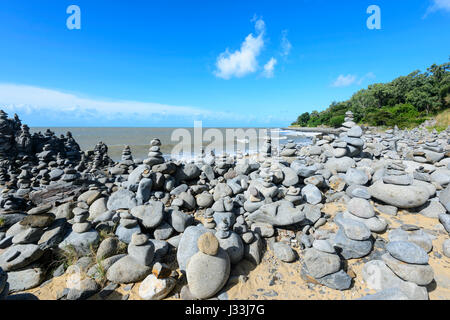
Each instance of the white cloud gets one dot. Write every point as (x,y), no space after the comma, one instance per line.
(269,67)
(244,61)
(438,5)
(350,79)
(344,81)
(29,100)
(286,46)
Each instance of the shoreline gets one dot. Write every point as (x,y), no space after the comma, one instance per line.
(320,221)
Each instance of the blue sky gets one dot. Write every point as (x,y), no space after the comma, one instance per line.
(227,63)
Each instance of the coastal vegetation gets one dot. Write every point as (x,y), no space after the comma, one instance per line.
(407,101)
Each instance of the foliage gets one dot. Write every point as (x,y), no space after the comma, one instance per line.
(405,101)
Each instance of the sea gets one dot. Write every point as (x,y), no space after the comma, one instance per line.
(138,139)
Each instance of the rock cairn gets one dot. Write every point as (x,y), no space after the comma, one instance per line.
(208,215)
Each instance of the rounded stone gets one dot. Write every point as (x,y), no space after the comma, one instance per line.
(361,208)
(206,274)
(407,252)
(208,244)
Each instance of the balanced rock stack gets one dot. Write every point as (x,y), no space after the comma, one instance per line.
(128,225)
(353,238)
(208,269)
(154,156)
(289,149)
(404,266)
(444,218)
(323,264)
(361,210)
(6,134)
(83,236)
(230,241)
(398,188)
(4,285)
(266,151)
(135,266)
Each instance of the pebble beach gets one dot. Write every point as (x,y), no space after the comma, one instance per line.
(358,214)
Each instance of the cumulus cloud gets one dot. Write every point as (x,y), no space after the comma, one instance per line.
(269,68)
(350,79)
(243,61)
(286,46)
(344,81)
(437,5)
(34,100)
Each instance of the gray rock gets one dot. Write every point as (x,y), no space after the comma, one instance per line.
(97,208)
(353,229)
(361,208)
(127,270)
(25,279)
(107,248)
(400,196)
(283,252)
(264,229)
(445,220)
(358,191)
(234,246)
(121,199)
(206,274)
(150,215)
(390,210)
(19,256)
(378,276)
(418,237)
(125,234)
(163,231)
(278,214)
(320,264)
(81,242)
(408,252)
(144,190)
(188,244)
(351,249)
(324,246)
(338,281)
(253,251)
(180,221)
(421,275)
(340,164)
(86,288)
(290,177)
(446,248)
(312,194)
(432,209)
(444,198)
(356,177)
(142,254)
(402,180)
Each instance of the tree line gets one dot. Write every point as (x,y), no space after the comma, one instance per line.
(406,101)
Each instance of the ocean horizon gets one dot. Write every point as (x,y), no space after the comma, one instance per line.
(138,138)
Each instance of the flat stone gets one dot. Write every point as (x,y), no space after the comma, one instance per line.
(405,197)
(127,270)
(19,256)
(408,252)
(361,208)
(284,252)
(320,264)
(25,279)
(421,275)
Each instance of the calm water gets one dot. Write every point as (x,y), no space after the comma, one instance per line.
(139,138)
